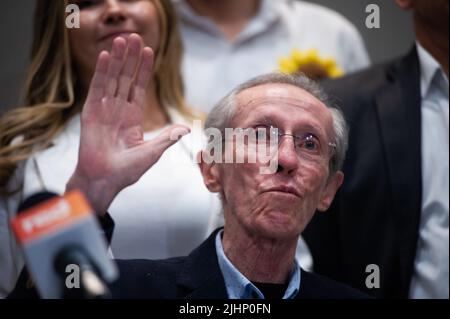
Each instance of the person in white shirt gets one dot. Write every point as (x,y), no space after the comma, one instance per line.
(431,264)
(393,208)
(168,212)
(229,42)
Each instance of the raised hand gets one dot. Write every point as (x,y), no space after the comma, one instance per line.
(112,152)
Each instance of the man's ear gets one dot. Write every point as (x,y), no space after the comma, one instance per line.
(333,184)
(210,173)
(405,4)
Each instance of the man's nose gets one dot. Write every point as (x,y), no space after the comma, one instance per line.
(114,12)
(288,160)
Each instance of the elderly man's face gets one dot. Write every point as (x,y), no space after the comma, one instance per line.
(277,205)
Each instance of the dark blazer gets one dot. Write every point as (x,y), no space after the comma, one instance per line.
(375,216)
(196,276)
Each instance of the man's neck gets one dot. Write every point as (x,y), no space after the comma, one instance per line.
(231,16)
(259,259)
(436,43)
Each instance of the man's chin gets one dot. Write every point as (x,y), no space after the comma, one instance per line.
(279,225)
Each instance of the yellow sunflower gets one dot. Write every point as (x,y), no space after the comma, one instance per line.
(311,64)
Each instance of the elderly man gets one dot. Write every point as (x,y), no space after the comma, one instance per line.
(253,256)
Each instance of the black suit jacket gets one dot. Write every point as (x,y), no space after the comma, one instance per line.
(375,216)
(196,276)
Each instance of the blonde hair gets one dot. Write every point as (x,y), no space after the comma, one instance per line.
(52,92)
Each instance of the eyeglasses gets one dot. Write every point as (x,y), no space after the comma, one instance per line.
(307,145)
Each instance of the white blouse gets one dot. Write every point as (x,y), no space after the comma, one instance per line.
(167,213)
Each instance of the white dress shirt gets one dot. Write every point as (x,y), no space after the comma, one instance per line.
(213,66)
(430,278)
(239,287)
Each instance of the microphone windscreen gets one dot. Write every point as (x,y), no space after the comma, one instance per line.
(35,199)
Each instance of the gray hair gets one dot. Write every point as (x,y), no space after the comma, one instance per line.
(222,114)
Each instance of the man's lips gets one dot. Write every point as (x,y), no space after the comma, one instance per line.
(284,189)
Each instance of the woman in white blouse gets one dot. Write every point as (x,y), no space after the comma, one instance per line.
(169,211)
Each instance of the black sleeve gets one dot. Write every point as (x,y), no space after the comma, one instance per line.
(25,288)
(107,225)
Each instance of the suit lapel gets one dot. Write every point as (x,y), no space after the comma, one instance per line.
(398,107)
(201,277)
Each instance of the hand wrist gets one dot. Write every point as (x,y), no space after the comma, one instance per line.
(100,194)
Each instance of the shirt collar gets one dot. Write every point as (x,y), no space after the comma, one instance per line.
(239,287)
(429,69)
(269,13)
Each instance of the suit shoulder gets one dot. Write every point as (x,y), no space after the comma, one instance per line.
(367,81)
(314,286)
(355,92)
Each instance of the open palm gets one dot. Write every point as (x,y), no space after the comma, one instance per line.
(112,152)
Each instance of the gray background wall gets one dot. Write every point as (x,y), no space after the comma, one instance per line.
(393,38)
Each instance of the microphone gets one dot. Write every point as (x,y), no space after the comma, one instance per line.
(65,253)
(91,285)
(34,200)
